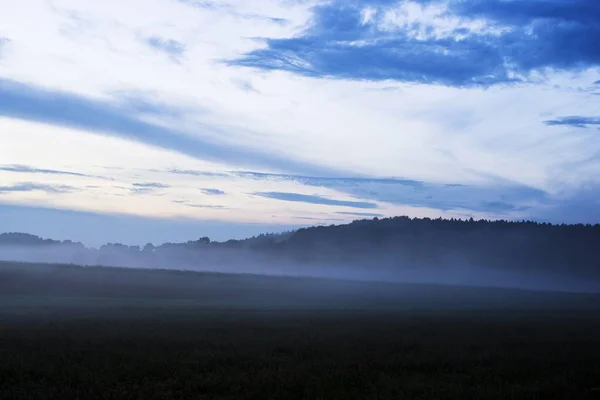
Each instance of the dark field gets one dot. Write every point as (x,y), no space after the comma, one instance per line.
(72,332)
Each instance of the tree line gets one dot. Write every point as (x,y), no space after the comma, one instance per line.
(398,242)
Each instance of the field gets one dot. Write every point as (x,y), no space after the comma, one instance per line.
(105,333)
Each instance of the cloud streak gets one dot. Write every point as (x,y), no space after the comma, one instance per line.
(229,9)
(384,40)
(446,197)
(148,187)
(209,206)
(18,168)
(3,44)
(359,214)
(574,121)
(319,219)
(168,46)
(153,100)
(212,192)
(313,199)
(191,172)
(36,187)
(31,103)
(187,203)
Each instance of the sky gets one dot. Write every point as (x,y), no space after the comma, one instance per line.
(160,120)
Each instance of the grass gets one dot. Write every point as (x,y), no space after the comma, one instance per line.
(99,340)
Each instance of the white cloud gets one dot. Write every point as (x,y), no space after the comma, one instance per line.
(446,135)
(431,21)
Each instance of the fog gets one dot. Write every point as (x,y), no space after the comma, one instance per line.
(246,261)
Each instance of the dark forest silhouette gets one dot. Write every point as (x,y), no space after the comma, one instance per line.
(399,242)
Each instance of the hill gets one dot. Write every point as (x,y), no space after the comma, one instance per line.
(389,246)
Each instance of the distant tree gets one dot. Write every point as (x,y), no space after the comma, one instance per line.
(148,248)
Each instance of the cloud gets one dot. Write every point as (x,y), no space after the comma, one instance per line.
(21,101)
(33,187)
(137,102)
(245,85)
(324,181)
(229,9)
(31,170)
(168,46)
(312,199)
(497,197)
(319,219)
(454,43)
(187,203)
(597,83)
(3,43)
(191,172)
(446,197)
(151,185)
(358,214)
(580,206)
(574,121)
(500,207)
(148,187)
(519,12)
(207,4)
(211,206)
(212,192)
(200,118)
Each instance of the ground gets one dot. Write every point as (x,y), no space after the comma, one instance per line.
(103,341)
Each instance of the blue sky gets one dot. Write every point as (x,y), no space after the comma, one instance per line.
(229,118)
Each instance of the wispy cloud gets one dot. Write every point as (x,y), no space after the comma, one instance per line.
(424,194)
(358,214)
(575,121)
(141,103)
(188,203)
(26,102)
(324,181)
(148,187)
(499,197)
(454,43)
(191,172)
(151,185)
(31,170)
(168,46)
(313,199)
(231,10)
(212,192)
(3,43)
(245,85)
(499,206)
(580,206)
(319,219)
(194,123)
(210,206)
(33,187)
(206,4)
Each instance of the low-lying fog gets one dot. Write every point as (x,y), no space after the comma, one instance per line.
(246,261)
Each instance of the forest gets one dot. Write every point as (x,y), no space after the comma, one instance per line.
(396,243)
